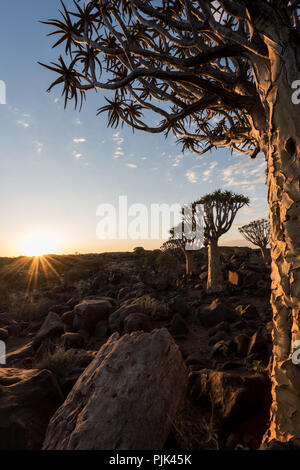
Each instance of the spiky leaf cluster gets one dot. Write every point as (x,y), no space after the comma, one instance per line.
(185,67)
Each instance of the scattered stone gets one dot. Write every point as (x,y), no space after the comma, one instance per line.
(5,319)
(3,334)
(123,292)
(60,309)
(16,357)
(89,312)
(72,302)
(221,348)
(68,318)
(248,312)
(215,313)
(72,340)
(178,305)
(116,319)
(178,326)
(100,332)
(51,328)
(230,365)
(242,341)
(137,322)
(223,326)
(218,336)
(28,400)
(235,398)
(235,278)
(197,360)
(258,343)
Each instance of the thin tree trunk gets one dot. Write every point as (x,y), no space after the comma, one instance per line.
(215,277)
(188,262)
(282,153)
(265,254)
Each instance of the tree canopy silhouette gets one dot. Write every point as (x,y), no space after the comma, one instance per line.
(213,73)
(220,209)
(258,233)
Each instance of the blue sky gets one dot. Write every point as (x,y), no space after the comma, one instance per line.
(58,165)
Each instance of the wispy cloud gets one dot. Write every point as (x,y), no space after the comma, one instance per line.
(245,173)
(79,140)
(175,159)
(208,173)
(191,176)
(77,154)
(119,141)
(39,146)
(23,123)
(131,165)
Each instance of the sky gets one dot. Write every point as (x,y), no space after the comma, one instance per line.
(57,166)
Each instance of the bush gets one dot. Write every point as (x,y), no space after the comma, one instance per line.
(59,363)
(30,310)
(166,262)
(155,308)
(194,434)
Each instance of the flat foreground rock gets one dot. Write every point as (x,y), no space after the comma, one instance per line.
(126,399)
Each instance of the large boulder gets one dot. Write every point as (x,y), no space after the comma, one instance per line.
(89,312)
(51,328)
(126,399)
(28,400)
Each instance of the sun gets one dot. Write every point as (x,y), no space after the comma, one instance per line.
(38,244)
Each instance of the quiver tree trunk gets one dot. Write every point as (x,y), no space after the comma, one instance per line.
(215,277)
(265,254)
(283,161)
(189,258)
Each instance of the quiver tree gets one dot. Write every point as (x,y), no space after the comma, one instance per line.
(220,209)
(179,243)
(187,236)
(258,233)
(222,73)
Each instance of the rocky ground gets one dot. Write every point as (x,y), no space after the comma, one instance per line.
(126,357)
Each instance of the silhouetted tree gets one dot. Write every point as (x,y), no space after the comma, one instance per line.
(220,209)
(258,233)
(187,236)
(216,73)
(139,250)
(180,243)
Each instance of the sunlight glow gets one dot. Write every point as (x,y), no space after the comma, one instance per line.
(38,244)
